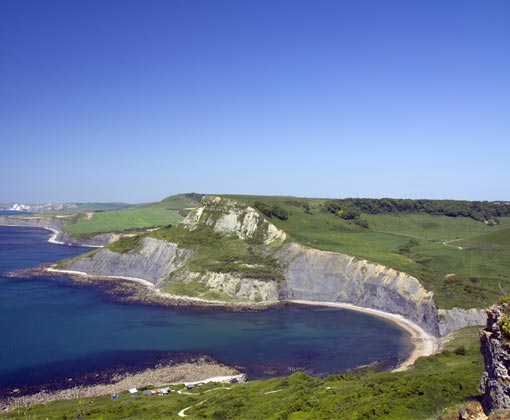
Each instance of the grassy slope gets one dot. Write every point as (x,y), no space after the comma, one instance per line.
(422,392)
(478,272)
(163,213)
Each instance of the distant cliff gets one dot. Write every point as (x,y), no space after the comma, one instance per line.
(57,224)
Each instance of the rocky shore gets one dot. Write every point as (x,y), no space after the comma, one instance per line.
(169,372)
(133,290)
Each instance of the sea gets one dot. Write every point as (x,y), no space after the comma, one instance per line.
(53,330)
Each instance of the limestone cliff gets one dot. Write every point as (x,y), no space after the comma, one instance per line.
(495,348)
(457,318)
(152,261)
(225,215)
(304,273)
(317,275)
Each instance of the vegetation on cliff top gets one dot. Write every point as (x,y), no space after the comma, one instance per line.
(421,244)
(419,237)
(171,210)
(222,253)
(433,385)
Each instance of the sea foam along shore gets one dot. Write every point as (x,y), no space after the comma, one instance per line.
(424,344)
(53,239)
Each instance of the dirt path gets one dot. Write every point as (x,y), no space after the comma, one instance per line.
(447,243)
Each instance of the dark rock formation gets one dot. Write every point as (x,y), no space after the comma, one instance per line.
(495,348)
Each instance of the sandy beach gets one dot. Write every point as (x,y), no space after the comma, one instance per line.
(424,343)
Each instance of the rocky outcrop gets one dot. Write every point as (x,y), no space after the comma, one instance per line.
(225,215)
(325,276)
(454,319)
(241,287)
(57,225)
(495,348)
(153,261)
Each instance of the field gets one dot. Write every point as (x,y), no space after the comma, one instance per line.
(422,245)
(166,212)
(121,220)
(435,385)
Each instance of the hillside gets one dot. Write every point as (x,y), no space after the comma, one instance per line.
(419,244)
(171,210)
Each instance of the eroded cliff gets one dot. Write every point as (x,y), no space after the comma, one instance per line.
(152,261)
(325,276)
(251,259)
(495,348)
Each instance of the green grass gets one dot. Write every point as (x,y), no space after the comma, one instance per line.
(479,268)
(171,210)
(122,220)
(221,253)
(432,385)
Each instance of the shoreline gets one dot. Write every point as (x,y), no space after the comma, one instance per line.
(424,344)
(203,370)
(53,238)
(157,296)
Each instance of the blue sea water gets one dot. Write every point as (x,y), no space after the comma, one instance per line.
(52,329)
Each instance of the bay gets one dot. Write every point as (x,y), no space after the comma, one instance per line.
(52,329)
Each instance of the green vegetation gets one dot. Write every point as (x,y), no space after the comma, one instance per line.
(121,221)
(423,245)
(221,253)
(482,211)
(270,211)
(425,391)
(126,244)
(171,210)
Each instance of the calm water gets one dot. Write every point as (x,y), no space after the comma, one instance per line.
(51,329)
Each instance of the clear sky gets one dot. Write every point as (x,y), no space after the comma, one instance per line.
(136,100)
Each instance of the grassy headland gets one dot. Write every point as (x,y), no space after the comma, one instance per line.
(421,244)
(171,210)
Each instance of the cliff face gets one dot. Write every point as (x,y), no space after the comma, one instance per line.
(230,216)
(153,261)
(317,275)
(57,224)
(309,274)
(456,318)
(495,348)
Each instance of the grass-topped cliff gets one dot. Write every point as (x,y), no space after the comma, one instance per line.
(459,250)
(423,244)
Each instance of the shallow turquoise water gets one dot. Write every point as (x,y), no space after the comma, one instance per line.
(52,329)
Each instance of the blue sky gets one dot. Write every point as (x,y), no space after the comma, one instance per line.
(136,100)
